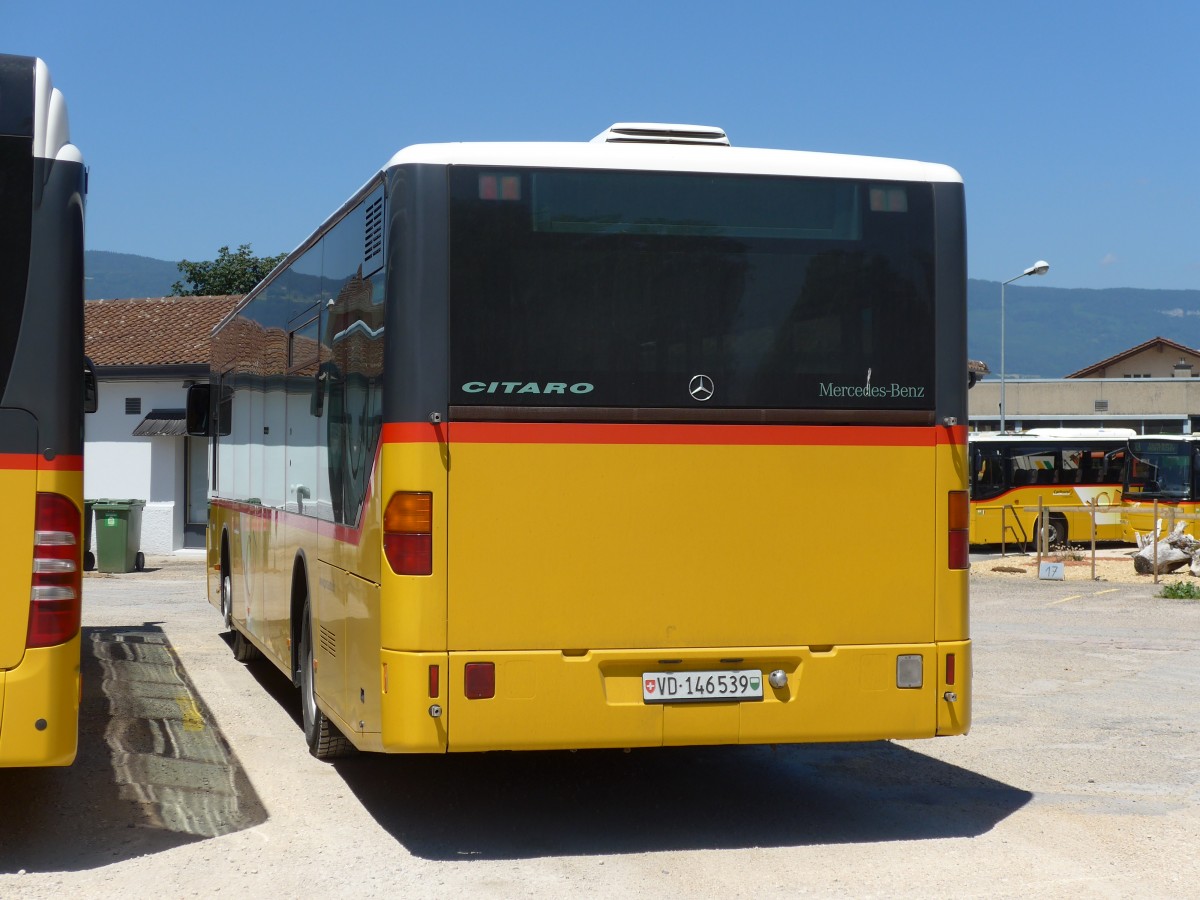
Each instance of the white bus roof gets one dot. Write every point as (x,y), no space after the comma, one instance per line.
(672,157)
(1054,434)
(1082,432)
(51,131)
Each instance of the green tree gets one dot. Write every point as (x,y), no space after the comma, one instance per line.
(229,273)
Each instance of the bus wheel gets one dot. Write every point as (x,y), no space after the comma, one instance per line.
(243,650)
(227,599)
(323,739)
(1056,531)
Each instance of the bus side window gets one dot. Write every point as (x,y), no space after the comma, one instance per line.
(91,391)
(224,425)
(304,476)
(353,378)
(987,473)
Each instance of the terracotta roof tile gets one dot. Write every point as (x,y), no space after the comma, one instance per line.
(153,331)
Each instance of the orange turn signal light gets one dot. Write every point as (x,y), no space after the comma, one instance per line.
(409,512)
(960,511)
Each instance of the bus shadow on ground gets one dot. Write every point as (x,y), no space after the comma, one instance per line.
(521,805)
(153,772)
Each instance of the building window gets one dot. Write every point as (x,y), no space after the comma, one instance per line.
(133,406)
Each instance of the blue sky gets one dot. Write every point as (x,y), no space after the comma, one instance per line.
(1074,124)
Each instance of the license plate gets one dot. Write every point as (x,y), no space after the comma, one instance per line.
(675,687)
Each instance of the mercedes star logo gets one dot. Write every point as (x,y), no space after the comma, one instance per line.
(701,387)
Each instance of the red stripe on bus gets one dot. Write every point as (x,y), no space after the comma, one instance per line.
(413,433)
(35,461)
(273,518)
(691,434)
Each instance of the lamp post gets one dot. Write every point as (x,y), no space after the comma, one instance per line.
(1041,267)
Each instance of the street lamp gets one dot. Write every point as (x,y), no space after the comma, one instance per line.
(1041,267)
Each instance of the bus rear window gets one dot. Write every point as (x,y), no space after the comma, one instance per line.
(1163,469)
(702,206)
(667,290)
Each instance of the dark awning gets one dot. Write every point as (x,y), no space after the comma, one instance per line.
(162,423)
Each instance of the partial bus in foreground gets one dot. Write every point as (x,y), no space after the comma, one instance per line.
(1065,469)
(558,445)
(42,191)
(1163,473)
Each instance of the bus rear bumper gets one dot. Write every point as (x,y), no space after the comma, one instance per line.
(576,700)
(39,707)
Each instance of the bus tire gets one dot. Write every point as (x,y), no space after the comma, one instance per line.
(323,739)
(227,598)
(243,650)
(1056,531)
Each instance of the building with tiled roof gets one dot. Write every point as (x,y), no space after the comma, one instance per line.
(1158,357)
(166,334)
(147,352)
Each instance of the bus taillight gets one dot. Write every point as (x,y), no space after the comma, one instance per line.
(479,680)
(408,533)
(57,587)
(959,524)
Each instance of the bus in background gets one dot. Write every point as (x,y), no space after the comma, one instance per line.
(42,388)
(1067,468)
(516,451)
(1163,468)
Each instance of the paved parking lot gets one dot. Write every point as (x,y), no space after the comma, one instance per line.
(1080,778)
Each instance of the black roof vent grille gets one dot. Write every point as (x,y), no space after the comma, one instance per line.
(373,237)
(654,133)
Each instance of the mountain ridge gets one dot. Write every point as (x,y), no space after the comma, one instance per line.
(1051,332)
(109,275)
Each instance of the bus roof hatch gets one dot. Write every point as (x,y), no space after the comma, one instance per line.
(657,133)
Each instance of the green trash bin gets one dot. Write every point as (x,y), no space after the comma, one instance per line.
(118,534)
(89,558)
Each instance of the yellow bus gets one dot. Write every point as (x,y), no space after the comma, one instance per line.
(1162,470)
(42,191)
(517,450)
(1065,468)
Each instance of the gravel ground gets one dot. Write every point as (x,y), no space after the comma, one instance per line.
(1113,564)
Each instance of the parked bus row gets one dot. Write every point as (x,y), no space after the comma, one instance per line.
(1112,476)
(513,451)
(508,453)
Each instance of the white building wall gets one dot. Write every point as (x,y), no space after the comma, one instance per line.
(119,466)
(1148,405)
